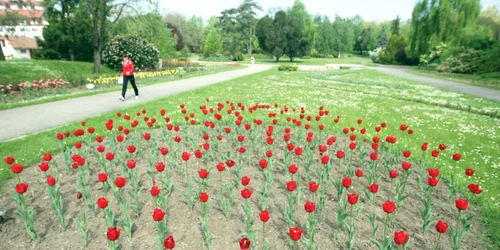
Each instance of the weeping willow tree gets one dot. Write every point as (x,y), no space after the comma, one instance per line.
(436,21)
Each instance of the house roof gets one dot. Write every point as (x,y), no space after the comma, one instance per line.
(31,13)
(22,42)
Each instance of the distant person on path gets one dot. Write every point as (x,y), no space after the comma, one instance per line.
(128,74)
(252,59)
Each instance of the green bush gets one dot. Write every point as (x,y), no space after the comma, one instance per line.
(315,53)
(465,63)
(288,68)
(306,57)
(238,56)
(489,60)
(144,54)
(216,58)
(262,56)
(226,53)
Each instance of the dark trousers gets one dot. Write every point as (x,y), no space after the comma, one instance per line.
(132,81)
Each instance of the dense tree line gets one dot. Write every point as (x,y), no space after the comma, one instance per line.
(439,31)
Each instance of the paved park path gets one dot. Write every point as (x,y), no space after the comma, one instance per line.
(401,71)
(17,122)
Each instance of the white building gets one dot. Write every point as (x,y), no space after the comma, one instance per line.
(19,40)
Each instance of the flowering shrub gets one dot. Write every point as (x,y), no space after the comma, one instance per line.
(143,54)
(233,165)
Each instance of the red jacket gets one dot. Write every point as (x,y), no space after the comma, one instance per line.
(128,68)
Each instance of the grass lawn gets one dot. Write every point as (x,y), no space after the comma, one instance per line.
(141,82)
(364,94)
(16,71)
(318,61)
(486,81)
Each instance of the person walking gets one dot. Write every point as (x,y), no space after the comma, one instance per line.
(128,74)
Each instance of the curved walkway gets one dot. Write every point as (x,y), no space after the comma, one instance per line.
(17,122)
(401,71)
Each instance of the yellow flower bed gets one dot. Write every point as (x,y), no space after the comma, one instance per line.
(139,75)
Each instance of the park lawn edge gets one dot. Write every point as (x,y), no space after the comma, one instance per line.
(455,78)
(20,104)
(489,213)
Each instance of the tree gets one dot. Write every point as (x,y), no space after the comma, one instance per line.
(246,21)
(102,13)
(69,33)
(152,28)
(382,39)
(9,19)
(213,42)
(298,12)
(364,38)
(324,36)
(343,30)
(395,26)
(490,17)
(272,35)
(395,52)
(437,21)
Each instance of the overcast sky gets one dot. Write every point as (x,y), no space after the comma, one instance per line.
(370,10)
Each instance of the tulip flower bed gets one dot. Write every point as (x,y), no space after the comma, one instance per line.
(230,177)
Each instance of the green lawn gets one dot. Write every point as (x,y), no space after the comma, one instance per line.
(17,71)
(142,82)
(487,81)
(318,61)
(365,94)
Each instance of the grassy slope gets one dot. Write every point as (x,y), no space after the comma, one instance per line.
(318,61)
(15,71)
(475,80)
(352,95)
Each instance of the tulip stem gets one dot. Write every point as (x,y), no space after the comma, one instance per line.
(439,239)
(263,234)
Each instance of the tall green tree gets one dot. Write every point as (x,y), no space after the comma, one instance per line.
(382,39)
(324,36)
(69,33)
(246,20)
(301,19)
(212,42)
(437,21)
(272,35)
(344,39)
(395,26)
(490,18)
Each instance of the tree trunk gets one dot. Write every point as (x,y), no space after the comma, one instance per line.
(95,27)
(249,42)
(2,56)
(72,54)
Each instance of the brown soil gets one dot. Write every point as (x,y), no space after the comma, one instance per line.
(185,225)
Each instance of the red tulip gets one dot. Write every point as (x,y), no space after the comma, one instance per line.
(374,156)
(425,146)
(401,237)
(389,207)
(9,160)
(433,181)
(462,204)
(47,157)
(263,163)
(309,207)
(295,233)
(442,146)
(158,215)
(113,233)
(169,242)
(359,172)
(435,153)
(322,148)
(291,185)
(78,195)
(406,165)
(313,187)
(16,168)
(293,169)
(346,182)
(264,216)
(203,197)
(469,171)
(51,181)
(246,193)
(221,166)
(340,154)
(186,156)
(352,198)
(155,190)
(164,151)
(456,157)
(230,163)
(474,188)
(245,180)
(269,153)
(21,188)
(131,164)
(102,177)
(373,188)
(110,156)
(131,149)
(441,227)
(198,154)
(433,172)
(102,203)
(120,182)
(406,153)
(203,173)
(393,174)
(244,243)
